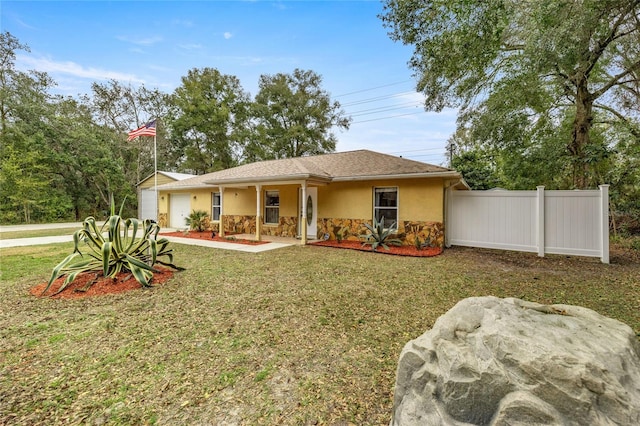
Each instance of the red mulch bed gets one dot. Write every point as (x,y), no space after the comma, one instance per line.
(206,235)
(123,282)
(395,250)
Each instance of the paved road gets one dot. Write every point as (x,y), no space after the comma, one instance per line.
(39,226)
(21,242)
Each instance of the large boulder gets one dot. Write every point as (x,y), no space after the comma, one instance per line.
(491,361)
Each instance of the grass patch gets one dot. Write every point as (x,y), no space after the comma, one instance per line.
(54,232)
(300,335)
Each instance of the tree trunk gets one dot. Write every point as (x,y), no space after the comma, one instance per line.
(580,136)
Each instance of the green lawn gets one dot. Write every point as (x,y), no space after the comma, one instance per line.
(37,233)
(300,335)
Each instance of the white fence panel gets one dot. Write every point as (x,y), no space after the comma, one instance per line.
(493,219)
(572,223)
(559,222)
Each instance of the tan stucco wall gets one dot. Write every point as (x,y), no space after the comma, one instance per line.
(244,203)
(202,200)
(418,199)
(239,202)
(163,202)
(421,200)
(345,200)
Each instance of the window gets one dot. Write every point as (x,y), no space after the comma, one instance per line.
(272,207)
(385,204)
(215,206)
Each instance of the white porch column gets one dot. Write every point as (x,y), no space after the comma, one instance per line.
(303,218)
(540,220)
(604,224)
(221,224)
(258,210)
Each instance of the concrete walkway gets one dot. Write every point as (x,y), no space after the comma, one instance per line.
(21,242)
(248,248)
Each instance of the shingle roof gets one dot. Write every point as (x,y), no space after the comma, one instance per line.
(350,165)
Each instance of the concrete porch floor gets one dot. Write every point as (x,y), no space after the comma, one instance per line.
(269,238)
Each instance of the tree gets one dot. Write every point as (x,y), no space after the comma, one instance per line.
(8,76)
(89,166)
(24,114)
(476,164)
(551,60)
(208,120)
(56,163)
(294,117)
(123,108)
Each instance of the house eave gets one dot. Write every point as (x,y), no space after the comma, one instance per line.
(445,174)
(272,180)
(186,187)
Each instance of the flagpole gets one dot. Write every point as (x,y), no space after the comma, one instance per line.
(155,174)
(149,129)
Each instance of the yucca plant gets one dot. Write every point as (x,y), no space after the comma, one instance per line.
(380,236)
(197,220)
(342,233)
(113,248)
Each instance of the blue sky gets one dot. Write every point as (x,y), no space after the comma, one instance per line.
(155,43)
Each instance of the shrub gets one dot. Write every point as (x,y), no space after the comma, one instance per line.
(197,220)
(380,236)
(342,233)
(420,244)
(113,248)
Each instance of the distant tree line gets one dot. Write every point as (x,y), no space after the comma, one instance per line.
(61,158)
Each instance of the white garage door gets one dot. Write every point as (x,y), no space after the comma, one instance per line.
(179,210)
(148,203)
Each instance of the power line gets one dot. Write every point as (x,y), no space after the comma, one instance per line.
(383,109)
(377,98)
(417,150)
(386,118)
(372,88)
(429,155)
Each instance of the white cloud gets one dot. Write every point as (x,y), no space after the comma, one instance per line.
(183,23)
(227,35)
(147,41)
(71,68)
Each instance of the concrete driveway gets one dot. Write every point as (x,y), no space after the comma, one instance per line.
(20,242)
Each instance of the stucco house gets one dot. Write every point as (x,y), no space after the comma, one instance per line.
(316,197)
(147,203)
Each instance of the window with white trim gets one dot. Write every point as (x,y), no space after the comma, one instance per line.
(215,206)
(385,204)
(272,207)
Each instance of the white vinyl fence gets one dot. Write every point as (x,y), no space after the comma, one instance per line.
(558,222)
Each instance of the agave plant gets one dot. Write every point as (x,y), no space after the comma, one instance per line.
(113,248)
(380,236)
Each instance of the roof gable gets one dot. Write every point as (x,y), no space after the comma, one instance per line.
(171,176)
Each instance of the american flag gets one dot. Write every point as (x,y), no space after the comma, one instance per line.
(148,129)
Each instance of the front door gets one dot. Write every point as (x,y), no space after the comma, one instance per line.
(312,211)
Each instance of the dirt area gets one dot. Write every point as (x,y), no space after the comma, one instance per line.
(395,250)
(207,235)
(94,284)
